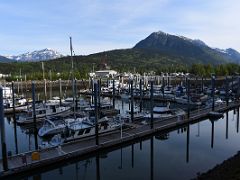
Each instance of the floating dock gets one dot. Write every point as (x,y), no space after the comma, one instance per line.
(34,160)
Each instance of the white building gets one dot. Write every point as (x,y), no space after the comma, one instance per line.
(106,73)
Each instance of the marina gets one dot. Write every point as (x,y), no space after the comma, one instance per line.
(133,131)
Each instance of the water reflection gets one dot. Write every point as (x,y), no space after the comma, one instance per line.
(188,137)
(227,125)
(179,154)
(212,134)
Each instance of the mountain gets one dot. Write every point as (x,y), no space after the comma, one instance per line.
(188,48)
(4,59)
(159,52)
(40,55)
(230,54)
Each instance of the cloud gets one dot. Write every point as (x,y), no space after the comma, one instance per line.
(98,25)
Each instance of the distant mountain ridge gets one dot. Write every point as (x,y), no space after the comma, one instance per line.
(159,49)
(4,59)
(182,46)
(39,55)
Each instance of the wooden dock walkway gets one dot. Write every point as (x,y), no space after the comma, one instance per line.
(87,146)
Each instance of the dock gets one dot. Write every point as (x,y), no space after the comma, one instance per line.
(87,146)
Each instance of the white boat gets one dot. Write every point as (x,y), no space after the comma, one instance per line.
(7,92)
(55,141)
(21,104)
(51,127)
(161,112)
(137,115)
(84,129)
(184,100)
(50,109)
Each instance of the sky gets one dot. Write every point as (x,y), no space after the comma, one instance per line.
(101,25)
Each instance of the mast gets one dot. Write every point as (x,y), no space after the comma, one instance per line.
(73,91)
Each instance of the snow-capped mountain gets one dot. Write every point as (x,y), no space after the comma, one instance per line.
(40,55)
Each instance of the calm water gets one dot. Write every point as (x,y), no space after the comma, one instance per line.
(172,158)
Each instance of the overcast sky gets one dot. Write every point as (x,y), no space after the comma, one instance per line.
(99,25)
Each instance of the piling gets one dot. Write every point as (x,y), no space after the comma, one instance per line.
(99,92)
(45,90)
(141,94)
(13,104)
(60,91)
(92,90)
(213,92)
(14,118)
(163,84)
(113,93)
(188,97)
(96,112)
(151,99)
(3,140)
(34,115)
(50,84)
(132,115)
(202,85)
(227,90)
(75,94)
(237,119)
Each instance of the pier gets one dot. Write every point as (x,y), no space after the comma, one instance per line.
(24,163)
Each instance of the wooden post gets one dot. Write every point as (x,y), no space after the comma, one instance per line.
(50,84)
(45,91)
(60,91)
(227,90)
(151,98)
(96,111)
(92,95)
(14,118)
(213,92)
(34,115)
(237,119)
(75,94)
(113,93)
(163,86)
(13,104)
(141,94)
(188,97)
(2,127)
(132,115)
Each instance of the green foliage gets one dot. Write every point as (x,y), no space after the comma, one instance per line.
(121,60)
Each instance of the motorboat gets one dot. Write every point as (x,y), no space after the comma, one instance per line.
(81,129)
(21,104)
(49,109)
(162,112)
(137,115)
(52,126)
